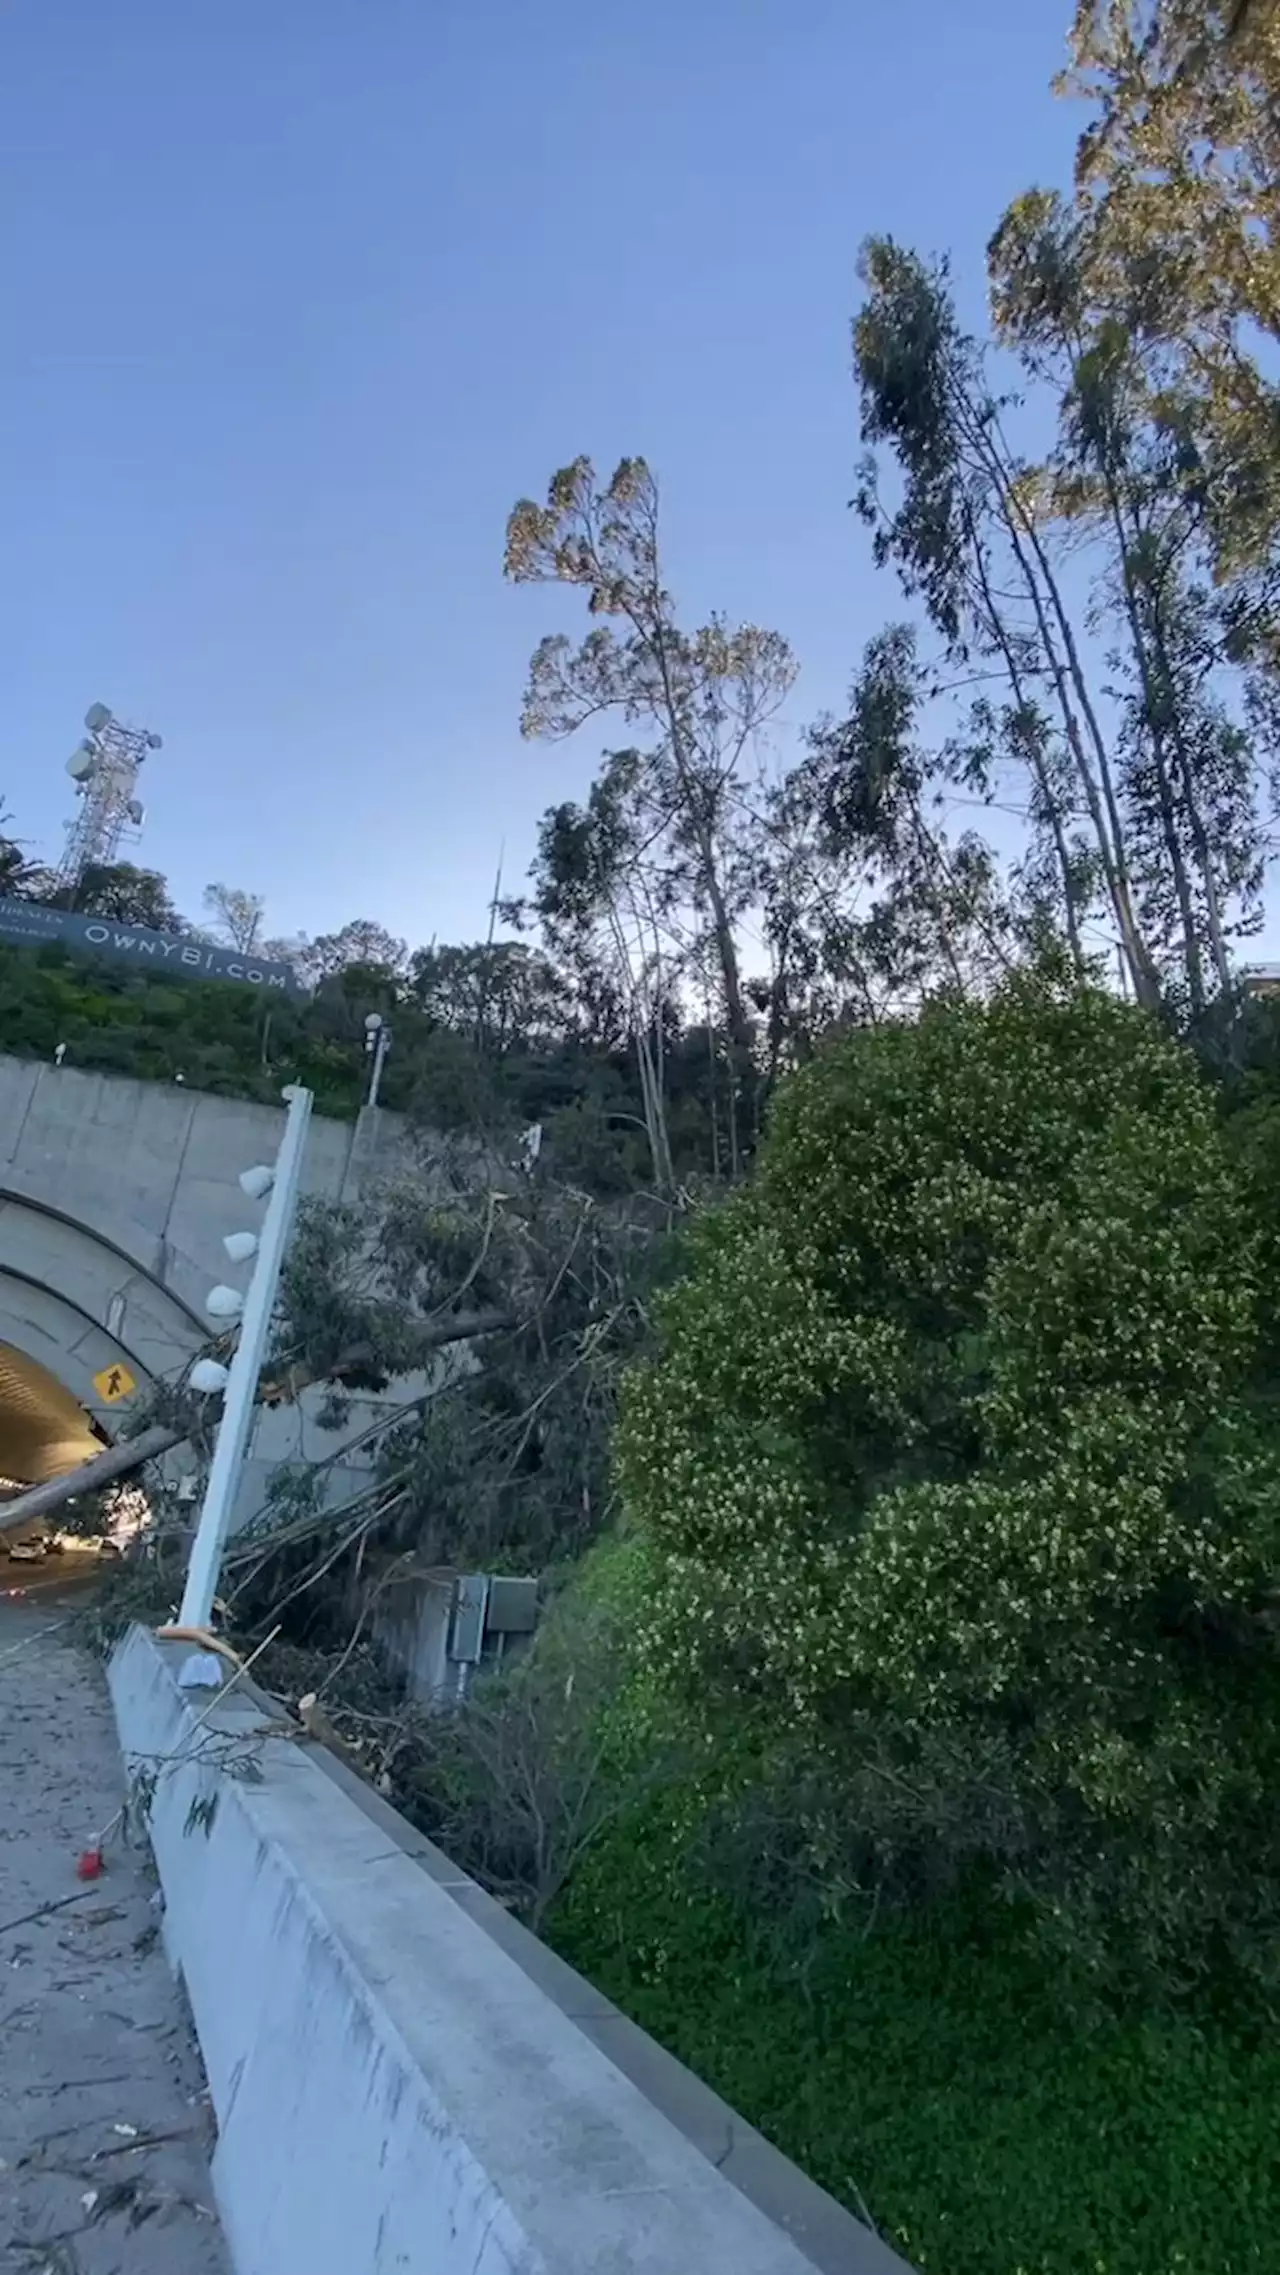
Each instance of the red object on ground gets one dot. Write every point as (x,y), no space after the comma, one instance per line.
(90,1866)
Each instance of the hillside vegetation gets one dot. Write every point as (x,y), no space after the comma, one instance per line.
(883,1322)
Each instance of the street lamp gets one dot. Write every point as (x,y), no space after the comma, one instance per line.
(239,1381)
(377,1042)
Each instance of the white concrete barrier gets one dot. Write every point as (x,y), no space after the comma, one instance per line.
(402,2079)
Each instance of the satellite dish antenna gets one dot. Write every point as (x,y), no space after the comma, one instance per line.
(155,742)
(97,717)
(80,763)
(137,812)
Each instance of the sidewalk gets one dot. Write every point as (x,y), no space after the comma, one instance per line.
(104,2129)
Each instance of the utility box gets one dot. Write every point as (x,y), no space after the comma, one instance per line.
(513,1607)
(470,1605)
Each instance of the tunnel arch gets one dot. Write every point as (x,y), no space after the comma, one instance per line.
(79,1306)
(44,1431)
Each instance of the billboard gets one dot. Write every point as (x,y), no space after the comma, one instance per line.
(26,924)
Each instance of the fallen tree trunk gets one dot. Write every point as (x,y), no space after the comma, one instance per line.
(133,1453)
(104,1469)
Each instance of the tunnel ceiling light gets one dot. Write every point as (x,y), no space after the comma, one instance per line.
(209,1377)
(257,1183)
(224,1303)
(240,1246)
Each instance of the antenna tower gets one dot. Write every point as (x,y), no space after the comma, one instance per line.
(105,769)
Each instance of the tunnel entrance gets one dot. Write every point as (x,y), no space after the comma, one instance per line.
(44,1431)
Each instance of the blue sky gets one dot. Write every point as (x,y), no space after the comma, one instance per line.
(301,295)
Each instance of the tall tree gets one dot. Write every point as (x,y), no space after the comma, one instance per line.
(1126,478)
(364,943)
(238,917)
(701,698)
(966,538)
(607,906)
(939,916)
(127,895)
(1178,189)
(504,993)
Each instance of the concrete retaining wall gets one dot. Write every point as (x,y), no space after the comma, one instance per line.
(115,1196)
(402,2078)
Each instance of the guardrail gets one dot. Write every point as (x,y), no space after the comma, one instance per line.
(402,2077)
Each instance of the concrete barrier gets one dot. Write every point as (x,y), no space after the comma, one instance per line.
(404,2079)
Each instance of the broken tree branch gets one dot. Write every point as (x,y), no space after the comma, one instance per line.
(133,1453)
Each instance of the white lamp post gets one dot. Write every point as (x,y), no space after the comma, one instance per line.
(377,1042)
(240,1380)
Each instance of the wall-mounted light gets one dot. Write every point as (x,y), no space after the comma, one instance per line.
(208,1376)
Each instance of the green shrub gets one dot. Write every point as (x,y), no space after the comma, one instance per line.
(943,2074)
(954,1486)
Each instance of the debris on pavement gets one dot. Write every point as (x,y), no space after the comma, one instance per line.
(105,2128)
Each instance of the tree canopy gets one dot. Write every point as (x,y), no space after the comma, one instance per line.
(951,1456)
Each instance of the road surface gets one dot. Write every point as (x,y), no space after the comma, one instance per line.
(104,2124)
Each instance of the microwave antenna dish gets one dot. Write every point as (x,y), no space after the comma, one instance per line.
(109,813)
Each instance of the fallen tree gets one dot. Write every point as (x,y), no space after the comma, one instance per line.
(132,1454)
(90,1476)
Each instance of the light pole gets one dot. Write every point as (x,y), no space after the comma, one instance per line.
(239,1382)
(377,1042)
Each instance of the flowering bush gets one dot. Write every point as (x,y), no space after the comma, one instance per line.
(949,1458)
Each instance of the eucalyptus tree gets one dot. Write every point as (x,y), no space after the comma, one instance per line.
(935,915)
(962,525)
(671,836)
(1125,482)
(1178,185)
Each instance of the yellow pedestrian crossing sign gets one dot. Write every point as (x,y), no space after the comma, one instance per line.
(114,1383)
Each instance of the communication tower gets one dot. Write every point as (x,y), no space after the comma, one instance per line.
(105,769)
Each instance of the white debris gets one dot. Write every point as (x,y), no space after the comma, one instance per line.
(202,1671)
